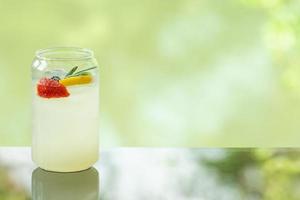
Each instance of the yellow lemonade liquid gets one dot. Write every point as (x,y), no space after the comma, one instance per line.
(65,130)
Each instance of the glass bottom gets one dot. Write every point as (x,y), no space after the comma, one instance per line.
(65,169)
(81,170)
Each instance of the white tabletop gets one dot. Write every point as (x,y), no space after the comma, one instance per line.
(155,173)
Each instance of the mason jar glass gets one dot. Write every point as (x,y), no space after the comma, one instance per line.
(65,109)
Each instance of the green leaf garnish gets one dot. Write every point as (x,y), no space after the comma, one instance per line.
(85,73)
(71,71)
(81,74)
(84,70)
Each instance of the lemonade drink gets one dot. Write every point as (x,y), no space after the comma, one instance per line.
(65,112)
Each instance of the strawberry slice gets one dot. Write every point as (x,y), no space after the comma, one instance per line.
(49,88)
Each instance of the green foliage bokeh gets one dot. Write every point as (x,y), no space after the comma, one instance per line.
(173,73)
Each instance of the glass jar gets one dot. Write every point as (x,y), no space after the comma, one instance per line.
(65,109)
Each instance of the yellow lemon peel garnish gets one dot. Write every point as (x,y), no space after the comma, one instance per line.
(76,80)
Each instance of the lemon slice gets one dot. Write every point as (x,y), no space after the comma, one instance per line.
(76,80)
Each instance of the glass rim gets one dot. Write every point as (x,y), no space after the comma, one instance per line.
(81,53)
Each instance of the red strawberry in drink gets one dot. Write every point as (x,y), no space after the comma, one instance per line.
(49,88)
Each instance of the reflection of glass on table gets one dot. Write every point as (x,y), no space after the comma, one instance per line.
(82,185)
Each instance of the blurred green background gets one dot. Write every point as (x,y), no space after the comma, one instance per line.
(173,72)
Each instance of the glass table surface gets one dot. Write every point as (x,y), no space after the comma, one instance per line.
(158,174)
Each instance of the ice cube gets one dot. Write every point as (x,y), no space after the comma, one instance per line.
(56,72)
